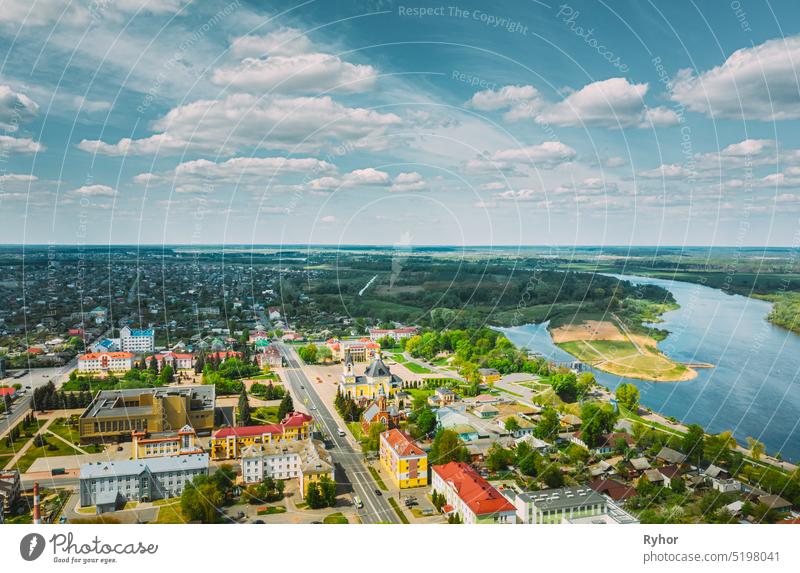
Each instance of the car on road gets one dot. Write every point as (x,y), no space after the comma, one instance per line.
(342,433)
(302,387)
(313,407)
(378,492)
(259,521)
(357,502)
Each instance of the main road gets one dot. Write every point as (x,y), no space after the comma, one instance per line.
(350,468)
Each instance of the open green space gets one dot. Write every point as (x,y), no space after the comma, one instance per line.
(170,514)
(403,517)
(335,518)
(621,357)
(54,447)
(377,477)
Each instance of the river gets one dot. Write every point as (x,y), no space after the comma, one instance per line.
(752,391)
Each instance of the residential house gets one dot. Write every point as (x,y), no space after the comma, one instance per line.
(306,460)
(469,495)
(228,443)
(403,459)
(488,375)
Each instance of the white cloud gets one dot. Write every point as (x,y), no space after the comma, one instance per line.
(302,73)
(15,108)
(46,12)
(615,161)
(368,177)
(544,156)
(95,191)
(760,83)
(17,178)
(521,101)
(612,103)
(244,121)
(328,219)
(10,144)
(405,182)
(281,42)
(520,195)
(671,171)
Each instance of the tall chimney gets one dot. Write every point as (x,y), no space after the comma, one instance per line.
(37,519)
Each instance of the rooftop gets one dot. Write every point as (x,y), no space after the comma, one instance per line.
(562,498)
(292,420)
(479,495)
(112,402)
(136,467)
(401,443)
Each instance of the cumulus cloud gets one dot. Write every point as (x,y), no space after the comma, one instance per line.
(405,182)
(544,155)
(10,144)
(758,83)
(15,108)
(301,73)
(201,175)
(519,195)
(95,191)
(244,121)
(612,103)
(368,177)
(17,178)
(666,171)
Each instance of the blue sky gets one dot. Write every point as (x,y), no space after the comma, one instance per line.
(375,121)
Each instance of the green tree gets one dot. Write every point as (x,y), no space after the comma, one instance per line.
(596,420)
(498,458)
(285,406)
(628,396)
(425,422)
(552,476)
(447,447)
(693,443)
(245,415)
(308,353)
(167,375)
(548,425)
(527,459)
(756,448)
(511,424)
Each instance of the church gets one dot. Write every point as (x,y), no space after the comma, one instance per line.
(376,381)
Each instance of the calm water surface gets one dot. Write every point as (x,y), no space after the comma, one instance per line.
(753,390)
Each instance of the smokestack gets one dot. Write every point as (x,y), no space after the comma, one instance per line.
(36,515)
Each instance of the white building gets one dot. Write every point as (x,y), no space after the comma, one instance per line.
(108,484)
(469,495)
(137,341)
(567,505)
(105,362)
(397,334)
(303,460)
(176,360)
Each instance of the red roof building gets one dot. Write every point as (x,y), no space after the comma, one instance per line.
(471,496)
(228,443)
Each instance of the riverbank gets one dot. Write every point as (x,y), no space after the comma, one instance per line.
(608,345)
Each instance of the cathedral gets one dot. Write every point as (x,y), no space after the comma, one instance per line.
(377,380)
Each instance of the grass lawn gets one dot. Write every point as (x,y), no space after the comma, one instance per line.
(335,518)
(166,501)
(622,358)
(170,514)
(398,511)
(59,448)
(399,358)
(266,414)
(416,392)
(61,428)
(441,361)
(509,392)
(356,430)
(88,510)
(12,448)
(417,368)
(301,505)
(271,510)
(377,477)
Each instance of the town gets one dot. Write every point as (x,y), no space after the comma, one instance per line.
(110,416)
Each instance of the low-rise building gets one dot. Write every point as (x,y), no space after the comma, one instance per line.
(9,490)
(489,375)
(175,360)
(403,459)
(99,362)
(469,495)
(114,414)
(229,443)
(566,505)
(269,356)
(110,484)
(397,334)
(182,442)
(306,460)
